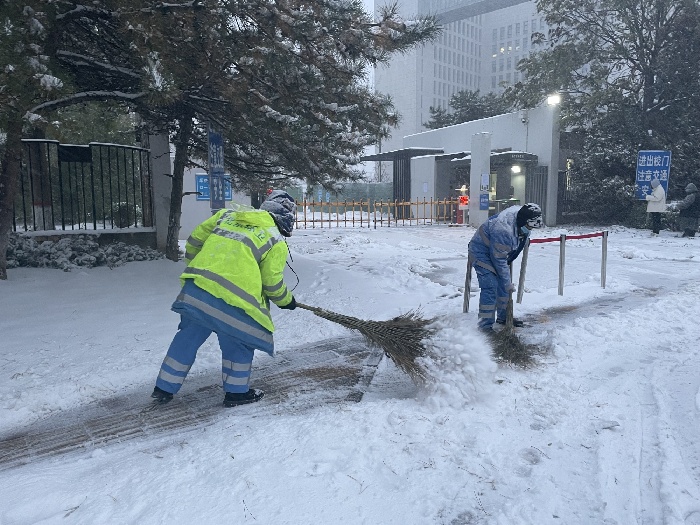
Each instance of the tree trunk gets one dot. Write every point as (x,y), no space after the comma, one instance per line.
(182,140)
(9,179)
(38,169)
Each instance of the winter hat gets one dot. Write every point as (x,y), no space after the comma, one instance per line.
(529,215)
(283,209)
(691,188)
(655,183)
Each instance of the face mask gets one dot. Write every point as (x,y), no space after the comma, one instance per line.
(525,230)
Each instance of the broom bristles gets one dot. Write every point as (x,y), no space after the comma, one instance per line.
(401,338)
(509,348)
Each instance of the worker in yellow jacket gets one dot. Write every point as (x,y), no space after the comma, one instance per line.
(235,268)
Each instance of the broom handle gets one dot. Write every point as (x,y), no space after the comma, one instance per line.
(509,308)
(307,307)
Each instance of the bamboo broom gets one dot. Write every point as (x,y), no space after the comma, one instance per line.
(401,338)
(506,345)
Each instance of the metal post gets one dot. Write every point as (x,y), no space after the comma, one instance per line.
(523,266)
(562,249)
(604,260)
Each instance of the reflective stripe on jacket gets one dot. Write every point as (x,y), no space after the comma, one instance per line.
(239,257)
(497,242)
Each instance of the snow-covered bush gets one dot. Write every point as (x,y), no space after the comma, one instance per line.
(73,252)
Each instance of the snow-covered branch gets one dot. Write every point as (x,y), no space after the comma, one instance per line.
(87,96)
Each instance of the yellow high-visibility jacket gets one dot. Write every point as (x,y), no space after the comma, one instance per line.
(239,257)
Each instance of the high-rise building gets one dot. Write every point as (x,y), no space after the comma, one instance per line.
(479,49)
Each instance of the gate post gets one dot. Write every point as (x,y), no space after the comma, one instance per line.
(162,179)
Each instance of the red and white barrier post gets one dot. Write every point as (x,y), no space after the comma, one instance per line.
(562,259)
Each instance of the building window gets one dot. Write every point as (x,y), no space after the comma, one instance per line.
(510,31)
(525,26)
(493,82)
(494,36)
(517,29)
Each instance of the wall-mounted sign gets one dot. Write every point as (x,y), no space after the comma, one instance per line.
(484,182)
(202,185)
(483,201)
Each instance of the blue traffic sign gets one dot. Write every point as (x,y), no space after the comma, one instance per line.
(216,170)
(202,185)
(652,164)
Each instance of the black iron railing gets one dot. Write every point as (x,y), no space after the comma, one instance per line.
(83,187)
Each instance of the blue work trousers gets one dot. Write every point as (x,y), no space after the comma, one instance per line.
(492,298)
(236,358)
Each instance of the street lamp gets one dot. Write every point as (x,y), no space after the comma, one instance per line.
(554,99)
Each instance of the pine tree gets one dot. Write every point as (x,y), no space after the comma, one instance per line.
(283,81)
(628,73)
(26,79)
(466,106)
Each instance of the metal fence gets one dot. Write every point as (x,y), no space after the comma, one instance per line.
(373,214)
(81,187)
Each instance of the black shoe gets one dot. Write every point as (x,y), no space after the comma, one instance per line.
(251,396)
(516,322)
(161,396)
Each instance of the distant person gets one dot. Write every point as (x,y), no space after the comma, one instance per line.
(689,211)
(235,268)
(656,205)
(493,248)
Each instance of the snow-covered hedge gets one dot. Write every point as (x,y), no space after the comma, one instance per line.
(73,252)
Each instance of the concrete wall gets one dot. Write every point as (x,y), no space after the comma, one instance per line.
(423,180)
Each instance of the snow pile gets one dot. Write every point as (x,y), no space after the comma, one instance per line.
(73,252)
(460,368)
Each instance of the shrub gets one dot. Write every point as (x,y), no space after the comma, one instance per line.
(73,252)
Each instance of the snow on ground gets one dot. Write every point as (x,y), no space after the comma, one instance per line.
(603,430)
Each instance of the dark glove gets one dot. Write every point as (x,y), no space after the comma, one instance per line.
(291,306)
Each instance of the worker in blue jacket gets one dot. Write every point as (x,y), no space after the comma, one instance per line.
(495,245)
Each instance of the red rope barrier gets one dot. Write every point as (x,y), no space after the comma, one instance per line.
(568,237)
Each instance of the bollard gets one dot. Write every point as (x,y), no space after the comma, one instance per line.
(562,256)
(604,259)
